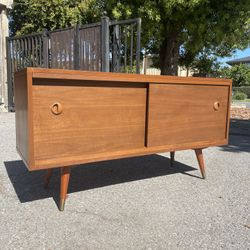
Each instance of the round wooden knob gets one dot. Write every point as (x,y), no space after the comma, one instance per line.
(56,108)
(216,106)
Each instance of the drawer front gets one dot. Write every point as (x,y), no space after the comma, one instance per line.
(85,119)
(180,114)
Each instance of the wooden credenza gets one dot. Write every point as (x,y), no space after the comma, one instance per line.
(68,117)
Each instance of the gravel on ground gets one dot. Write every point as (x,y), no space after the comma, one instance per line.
(240,113)
(135,203)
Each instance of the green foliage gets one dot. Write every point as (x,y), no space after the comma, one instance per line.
(28,16)
(170,28)
(240,74)
(245,89)
(239,96)
(204,64)
(222,26)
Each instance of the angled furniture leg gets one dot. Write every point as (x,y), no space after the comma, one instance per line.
(47,177)
(200,159)
(172,154)
(65,175)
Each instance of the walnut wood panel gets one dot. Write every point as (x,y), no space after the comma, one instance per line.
(21,109)
(64,118)
(94,118)
(186,113)
(121,77)
(41,130)
(81,159)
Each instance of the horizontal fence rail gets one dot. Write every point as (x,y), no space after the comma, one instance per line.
(111,46)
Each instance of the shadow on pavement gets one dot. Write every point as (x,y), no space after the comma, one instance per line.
(29,185)
(239,136)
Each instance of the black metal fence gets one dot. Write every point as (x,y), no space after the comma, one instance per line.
(111,46)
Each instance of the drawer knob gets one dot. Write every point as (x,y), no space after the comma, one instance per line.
(56,108)
(216,106)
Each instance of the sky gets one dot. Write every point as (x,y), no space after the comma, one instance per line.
(238,54)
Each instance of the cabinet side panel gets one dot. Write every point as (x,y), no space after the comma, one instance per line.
(228,110)
(21,114)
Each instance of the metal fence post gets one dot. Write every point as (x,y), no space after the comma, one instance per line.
(138,45)
(76,48)
(45,49)
(105,43)
(9,78)
(116,49)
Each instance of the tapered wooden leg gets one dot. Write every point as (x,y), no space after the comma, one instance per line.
(47,177)
(65,174)
(172,158)
(200,159)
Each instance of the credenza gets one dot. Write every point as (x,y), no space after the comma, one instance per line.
(69,117)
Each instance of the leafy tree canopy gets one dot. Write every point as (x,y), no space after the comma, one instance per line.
(28,16)
(171,29)
(184,28)
(204,64)
(240,74)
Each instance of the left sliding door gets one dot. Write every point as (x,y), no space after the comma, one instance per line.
(78,120)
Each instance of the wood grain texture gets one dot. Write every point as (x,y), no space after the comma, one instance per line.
(184,114)
(94,119)
(108,116)
(229,100)
(82,159)
(29,73)
(200,159)
(122,77)
(65,176)
(64,118)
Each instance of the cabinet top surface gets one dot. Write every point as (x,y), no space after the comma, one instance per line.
(117,77)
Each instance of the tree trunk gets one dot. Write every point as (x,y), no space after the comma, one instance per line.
(169,54)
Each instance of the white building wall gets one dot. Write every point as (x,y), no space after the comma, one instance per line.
(4,32)
(147,68)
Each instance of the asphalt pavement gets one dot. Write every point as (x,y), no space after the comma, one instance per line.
(134,203)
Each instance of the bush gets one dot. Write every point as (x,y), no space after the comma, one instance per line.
(239,73)
(245,90)
(239,96)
